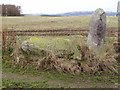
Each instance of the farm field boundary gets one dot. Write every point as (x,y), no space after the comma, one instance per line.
(60,32)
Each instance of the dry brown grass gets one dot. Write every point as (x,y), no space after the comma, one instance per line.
(89,62)
(50,23)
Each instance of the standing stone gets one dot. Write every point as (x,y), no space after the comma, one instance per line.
(118,7)
(97,28)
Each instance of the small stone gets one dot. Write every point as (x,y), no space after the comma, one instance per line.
(25,46)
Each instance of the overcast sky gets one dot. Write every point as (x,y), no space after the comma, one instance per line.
(61,6)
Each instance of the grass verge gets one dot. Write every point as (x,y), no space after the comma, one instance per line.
(51,79)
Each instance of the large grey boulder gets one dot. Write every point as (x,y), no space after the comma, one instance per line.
(97,28)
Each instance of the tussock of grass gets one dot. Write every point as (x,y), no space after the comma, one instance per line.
(66,54)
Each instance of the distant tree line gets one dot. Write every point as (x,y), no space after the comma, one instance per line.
(10,10)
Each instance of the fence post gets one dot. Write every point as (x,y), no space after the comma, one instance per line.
(3,41)
(12,35)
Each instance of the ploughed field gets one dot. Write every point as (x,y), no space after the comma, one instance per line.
(52,23)
(51,26)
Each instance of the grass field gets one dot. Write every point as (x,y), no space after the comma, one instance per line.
(49,23)
(15,76)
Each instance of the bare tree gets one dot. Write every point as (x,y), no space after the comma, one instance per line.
(10,10)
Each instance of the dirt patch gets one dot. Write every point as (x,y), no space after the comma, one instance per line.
(56,82)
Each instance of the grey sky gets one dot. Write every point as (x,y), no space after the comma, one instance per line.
(61,6)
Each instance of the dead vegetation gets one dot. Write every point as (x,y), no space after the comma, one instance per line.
(88,62)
